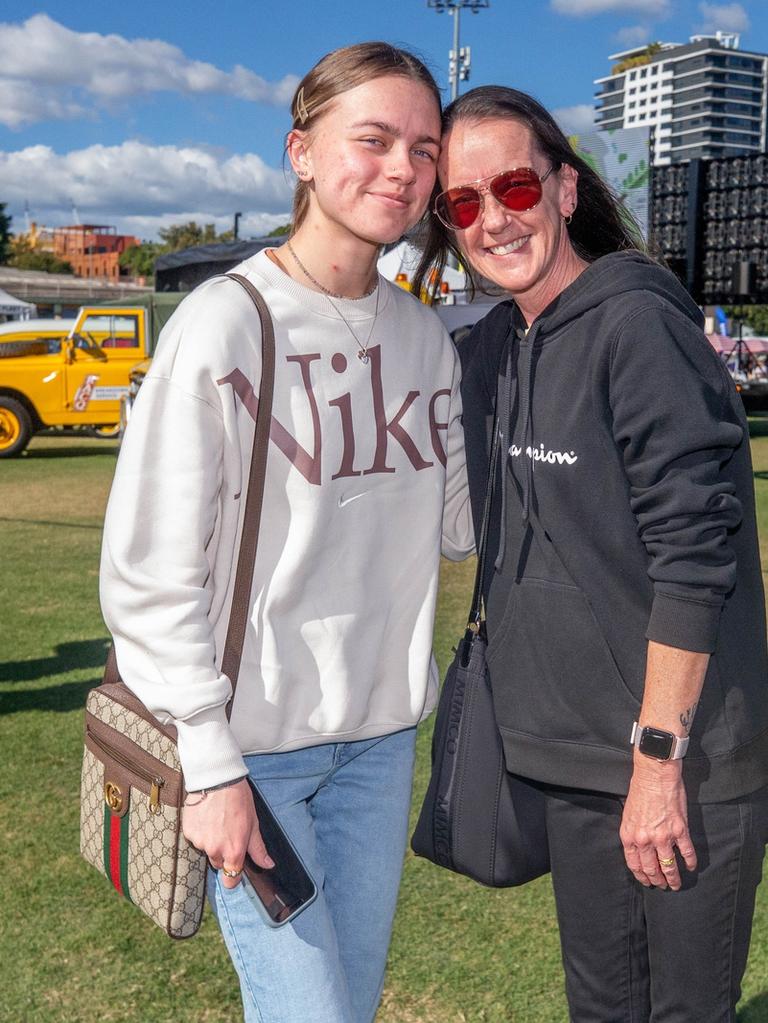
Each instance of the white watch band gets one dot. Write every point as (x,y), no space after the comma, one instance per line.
(679,743)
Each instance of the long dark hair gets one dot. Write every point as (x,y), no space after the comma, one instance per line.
(601,223)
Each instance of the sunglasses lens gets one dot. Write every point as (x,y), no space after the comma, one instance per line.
(518,189)
(458,207)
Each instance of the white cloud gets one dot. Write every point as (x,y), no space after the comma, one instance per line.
(633,35)
(575,120)
(145,185)
(20,105)
(66,69)
(586,8)
(252,225)
(725,17)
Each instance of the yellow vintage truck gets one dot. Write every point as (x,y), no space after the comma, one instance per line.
(75,372)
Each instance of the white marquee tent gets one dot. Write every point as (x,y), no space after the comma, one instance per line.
(16,308)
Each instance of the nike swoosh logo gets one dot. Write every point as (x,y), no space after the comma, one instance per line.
(349,500)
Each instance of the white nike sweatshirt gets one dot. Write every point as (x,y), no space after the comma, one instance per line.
(366,464)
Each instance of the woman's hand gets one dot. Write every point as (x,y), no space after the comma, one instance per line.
(223,824)
(655,818)
(655,821)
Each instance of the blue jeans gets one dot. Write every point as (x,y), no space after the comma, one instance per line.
(345,806)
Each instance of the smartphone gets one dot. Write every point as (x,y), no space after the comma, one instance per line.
(282,892)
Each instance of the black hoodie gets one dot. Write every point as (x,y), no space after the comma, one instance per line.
(628,515)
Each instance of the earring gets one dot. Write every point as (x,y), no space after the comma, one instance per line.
(569,218)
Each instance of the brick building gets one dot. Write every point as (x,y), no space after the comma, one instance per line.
(92,249)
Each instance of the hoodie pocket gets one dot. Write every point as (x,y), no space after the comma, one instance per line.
(552,671)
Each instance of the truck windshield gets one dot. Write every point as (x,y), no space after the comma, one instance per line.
(111,331)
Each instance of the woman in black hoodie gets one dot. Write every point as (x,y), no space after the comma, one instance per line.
(625,607)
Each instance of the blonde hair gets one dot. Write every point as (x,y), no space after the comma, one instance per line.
(338,72)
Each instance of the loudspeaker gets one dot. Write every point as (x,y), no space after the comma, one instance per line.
(743,279)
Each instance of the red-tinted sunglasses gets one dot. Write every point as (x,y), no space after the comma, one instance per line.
(518,189)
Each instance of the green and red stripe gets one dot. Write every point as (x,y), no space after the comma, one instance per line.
(116,850)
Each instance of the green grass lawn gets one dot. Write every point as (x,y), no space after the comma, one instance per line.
(71,950)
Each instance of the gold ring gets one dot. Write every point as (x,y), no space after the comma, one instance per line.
(667,863)
(231,873)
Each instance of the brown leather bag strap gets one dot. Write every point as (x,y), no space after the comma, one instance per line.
(241,598)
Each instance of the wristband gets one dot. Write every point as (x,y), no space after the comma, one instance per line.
(212,788)
(658,743)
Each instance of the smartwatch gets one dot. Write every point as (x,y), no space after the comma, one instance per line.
(656,743)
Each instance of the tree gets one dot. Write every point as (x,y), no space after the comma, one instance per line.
(41,261)
(5,232)
(755,315)
(641,58)
(24,257)
(278,231)
(139,260)
(184,236)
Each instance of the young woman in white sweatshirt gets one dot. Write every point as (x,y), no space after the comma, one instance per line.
(365,482)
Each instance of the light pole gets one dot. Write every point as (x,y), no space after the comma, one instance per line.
(460,57)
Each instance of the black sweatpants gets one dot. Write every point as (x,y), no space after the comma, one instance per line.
(645,955)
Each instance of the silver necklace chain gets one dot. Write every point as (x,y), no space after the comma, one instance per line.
(322,287)
(362,355)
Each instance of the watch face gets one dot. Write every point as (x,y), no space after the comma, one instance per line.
(656,743)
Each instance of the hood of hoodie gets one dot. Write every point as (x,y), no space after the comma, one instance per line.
(609,277)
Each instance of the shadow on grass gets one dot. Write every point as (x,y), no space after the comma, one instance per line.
(754,1011)
(85,653)
(758,424)
(59,698)
(47,522)
(58,525)
(97,447)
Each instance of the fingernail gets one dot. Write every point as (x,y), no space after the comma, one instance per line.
(269,862)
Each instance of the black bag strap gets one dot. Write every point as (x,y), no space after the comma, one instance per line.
(241,597)
(500,427)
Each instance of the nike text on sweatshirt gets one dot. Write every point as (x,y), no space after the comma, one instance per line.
(366,464)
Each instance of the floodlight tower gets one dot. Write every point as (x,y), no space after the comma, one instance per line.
(460,57)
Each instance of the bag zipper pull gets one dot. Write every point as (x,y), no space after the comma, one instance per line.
(154,795)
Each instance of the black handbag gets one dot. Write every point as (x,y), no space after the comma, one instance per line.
(477,818)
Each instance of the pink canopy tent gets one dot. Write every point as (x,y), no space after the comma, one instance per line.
(725,345)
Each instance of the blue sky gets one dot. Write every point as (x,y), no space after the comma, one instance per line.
(144,114)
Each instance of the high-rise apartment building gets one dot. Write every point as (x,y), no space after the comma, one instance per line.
(704,99)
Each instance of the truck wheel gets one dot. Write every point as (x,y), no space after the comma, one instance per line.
(110,431)
(15,427)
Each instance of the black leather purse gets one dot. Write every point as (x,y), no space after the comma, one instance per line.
(477,818)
